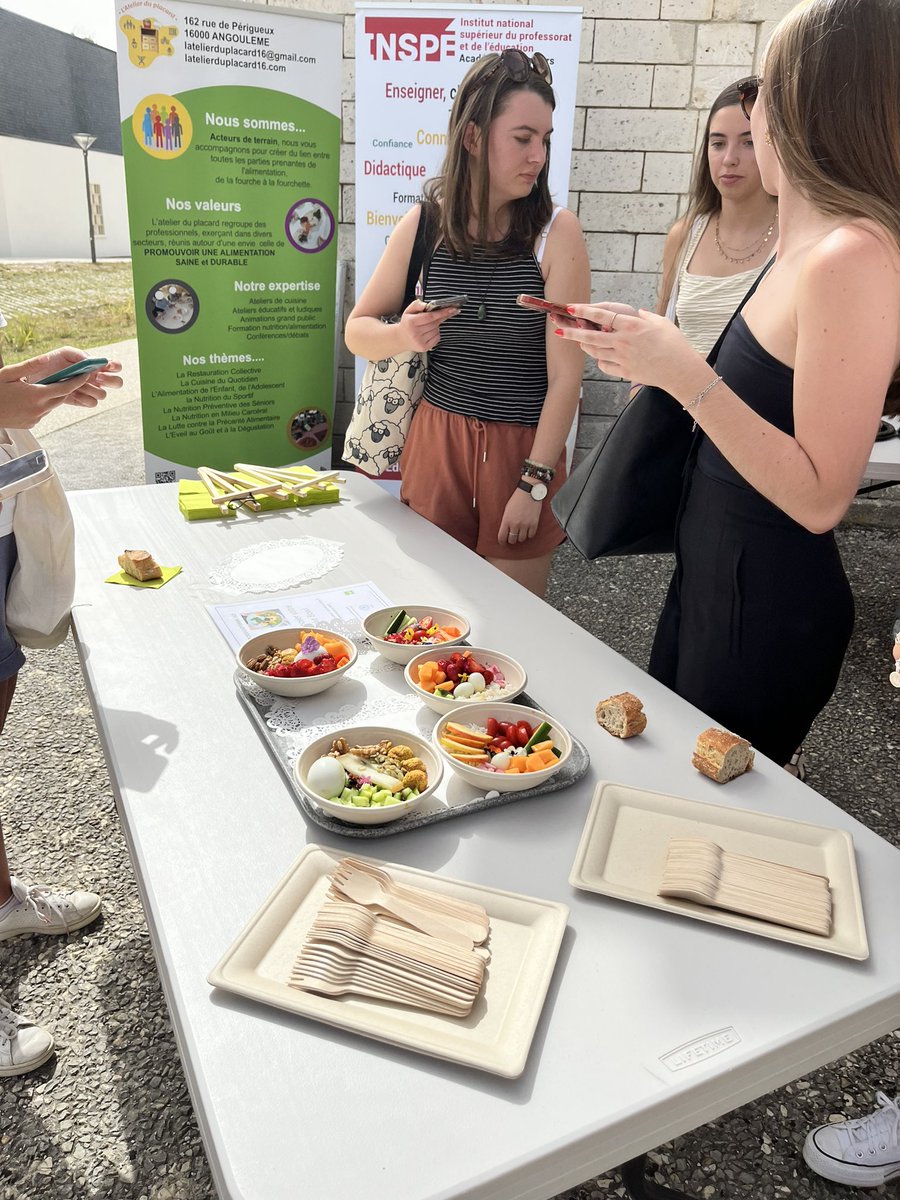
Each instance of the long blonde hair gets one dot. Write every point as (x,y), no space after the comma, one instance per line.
(832,94)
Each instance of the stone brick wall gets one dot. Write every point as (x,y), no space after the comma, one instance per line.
(649,71)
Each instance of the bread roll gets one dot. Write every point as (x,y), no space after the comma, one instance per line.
(622,715)
(721,755)
(140,564)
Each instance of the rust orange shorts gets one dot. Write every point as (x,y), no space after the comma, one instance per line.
(459,473)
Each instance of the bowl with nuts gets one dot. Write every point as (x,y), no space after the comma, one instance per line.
(296,662)
(368,775)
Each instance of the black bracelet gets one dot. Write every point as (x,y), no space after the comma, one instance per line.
(536,470)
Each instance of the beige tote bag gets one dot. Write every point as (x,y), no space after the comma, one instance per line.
(39,598)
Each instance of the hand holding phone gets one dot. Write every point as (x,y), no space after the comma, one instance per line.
(447,302)
(85,367)
(559,312)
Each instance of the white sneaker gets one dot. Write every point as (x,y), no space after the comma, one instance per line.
(23,1045)
(37,909)
(862,1153)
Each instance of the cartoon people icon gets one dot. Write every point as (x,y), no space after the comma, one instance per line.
(176,126)
(147,127)
(167,131)
(157,128)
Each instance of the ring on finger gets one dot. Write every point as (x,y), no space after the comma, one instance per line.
(612,323)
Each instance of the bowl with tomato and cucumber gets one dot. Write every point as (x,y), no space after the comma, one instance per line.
(501,746)
(400,633)
(452,679)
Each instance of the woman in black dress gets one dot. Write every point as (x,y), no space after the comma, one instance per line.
(759,612)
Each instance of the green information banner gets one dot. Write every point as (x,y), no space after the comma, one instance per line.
(231,140)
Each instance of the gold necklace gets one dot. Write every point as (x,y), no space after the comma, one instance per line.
(758,244)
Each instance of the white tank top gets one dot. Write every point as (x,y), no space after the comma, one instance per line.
(705,303)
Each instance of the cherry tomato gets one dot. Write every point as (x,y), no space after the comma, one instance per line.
(522,735)
(504,744)
(491,726)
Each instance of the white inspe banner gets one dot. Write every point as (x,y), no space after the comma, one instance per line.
(409,61)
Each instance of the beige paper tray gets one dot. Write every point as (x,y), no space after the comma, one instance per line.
(626,835)
(525,937)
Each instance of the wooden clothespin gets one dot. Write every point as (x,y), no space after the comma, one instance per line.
(228,490)
(289,480)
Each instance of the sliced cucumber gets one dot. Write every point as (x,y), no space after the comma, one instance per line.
(399,622)
(540,735)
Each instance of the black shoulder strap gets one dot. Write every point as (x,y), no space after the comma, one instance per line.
(714,353)
(419,253)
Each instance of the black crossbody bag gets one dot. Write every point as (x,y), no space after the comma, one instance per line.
(623,498)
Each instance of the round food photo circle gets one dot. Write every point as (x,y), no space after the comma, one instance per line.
(309,428)
(309,225)
(172,306)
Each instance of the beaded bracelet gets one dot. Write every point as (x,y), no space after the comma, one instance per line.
(536,470)
(704,392)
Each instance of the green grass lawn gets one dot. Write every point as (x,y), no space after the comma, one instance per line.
(51,304)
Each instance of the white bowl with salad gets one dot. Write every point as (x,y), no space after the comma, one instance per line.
(369,775)
(453,678)
(502,747)
(296,662)
(401,633)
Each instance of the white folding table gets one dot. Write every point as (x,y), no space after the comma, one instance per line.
(289,1107)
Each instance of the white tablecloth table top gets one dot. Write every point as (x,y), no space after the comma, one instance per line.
(288,1107)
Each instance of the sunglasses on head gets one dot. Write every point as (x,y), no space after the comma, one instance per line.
(748,90)
(517,65)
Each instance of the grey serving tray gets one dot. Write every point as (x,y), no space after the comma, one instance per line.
(283,729)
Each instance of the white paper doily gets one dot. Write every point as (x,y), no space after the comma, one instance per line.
(274,566)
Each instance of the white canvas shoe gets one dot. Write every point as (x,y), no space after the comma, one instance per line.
(864,1152)
(23,1045)
(38,909)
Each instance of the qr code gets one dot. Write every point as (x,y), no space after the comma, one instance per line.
(164,477)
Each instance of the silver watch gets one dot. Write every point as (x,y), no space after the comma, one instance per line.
(537,490)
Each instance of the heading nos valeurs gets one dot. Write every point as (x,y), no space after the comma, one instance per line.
(203,205)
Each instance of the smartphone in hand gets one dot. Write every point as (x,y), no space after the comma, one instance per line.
(79,368)
(446,302)
(559,312)
(24,472)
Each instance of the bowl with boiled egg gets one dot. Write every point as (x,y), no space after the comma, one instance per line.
(452,677)
(502,747)
(368,775)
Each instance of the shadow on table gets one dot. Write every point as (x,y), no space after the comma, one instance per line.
(144,744)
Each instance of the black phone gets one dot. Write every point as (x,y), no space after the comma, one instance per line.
(446,302)
(23,472)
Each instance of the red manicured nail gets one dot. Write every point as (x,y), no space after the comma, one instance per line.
(570,309)
(558,332)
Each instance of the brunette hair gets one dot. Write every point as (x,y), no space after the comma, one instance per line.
(704,198)
(481,97)
(833,110)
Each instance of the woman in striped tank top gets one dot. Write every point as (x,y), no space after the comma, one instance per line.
(485,450)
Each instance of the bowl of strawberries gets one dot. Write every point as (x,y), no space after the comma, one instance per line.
(296,662)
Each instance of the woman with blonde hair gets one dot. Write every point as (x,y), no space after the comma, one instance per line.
(485,449)
(759,612)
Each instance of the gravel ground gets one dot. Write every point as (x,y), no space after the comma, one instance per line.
(110,1116)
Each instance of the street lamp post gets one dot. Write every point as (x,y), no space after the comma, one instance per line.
(85,141)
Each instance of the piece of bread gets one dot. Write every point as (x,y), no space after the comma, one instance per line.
(721,755)
(140,564)
(622,715)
